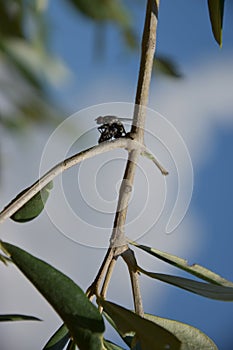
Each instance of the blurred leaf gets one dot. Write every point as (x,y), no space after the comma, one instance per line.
(191,338)
(41,5)
(216,10)
(146,331)
(26,66)
(111,346)
(109,10)
(103,10)
(34,206)
(10,317)
(130,38)
(207,290)
(196,270)
(167,67)
(11,18)
(33,61)
(59,339)
(81,317)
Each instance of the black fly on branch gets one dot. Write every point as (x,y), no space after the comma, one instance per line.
(111,128)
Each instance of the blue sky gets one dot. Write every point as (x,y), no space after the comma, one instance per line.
(199,106)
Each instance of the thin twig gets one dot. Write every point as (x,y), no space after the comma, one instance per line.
(16,204)
(94,287)
(107,278)
(131,262)
(150,156)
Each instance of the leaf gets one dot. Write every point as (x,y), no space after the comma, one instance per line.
(4,259)
(34,61)
(59,339)
(41,5)
(216,10)
(207,290)
(81,317)
(195,269)
(146,331)
(166,66)
(34,206)
(127,337)
(103,10)
(111,346)
(191,338)
(16,317)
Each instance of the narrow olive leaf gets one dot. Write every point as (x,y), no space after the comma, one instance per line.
(195,269)
(16,317)
(59,339)
(103,10)
(166,66)
(81,317)
(148,334)
(34,206)
(207,290)
(127,337)
(191,338)
(216,10)
(111,346)
(4,259)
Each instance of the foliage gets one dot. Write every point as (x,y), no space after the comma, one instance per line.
(83,322)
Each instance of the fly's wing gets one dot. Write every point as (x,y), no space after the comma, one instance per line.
(110,119)
(125,119)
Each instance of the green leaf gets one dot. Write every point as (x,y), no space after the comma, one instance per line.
(195,269)
(81,317)
(111,346)
(191,338)
(4,259)
(59,339)
(207,290)
(146,331)
(34,206)
(16,317)
(100,10)
(216,10)
(34,61)
(167,67)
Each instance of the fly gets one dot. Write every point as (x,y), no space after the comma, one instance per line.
(111,128)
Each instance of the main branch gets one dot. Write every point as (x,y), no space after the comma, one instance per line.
(118,244)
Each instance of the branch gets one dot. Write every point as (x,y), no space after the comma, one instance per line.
(147,58)
(118,242)
(138,126)
(131,262)
(31,191)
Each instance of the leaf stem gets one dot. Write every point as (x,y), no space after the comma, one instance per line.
(31,191)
